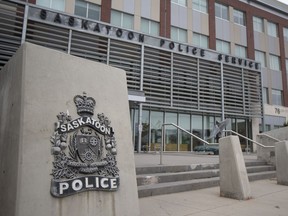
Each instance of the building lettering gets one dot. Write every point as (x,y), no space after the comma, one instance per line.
(105,29)
(72,186)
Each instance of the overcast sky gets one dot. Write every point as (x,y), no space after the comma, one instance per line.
(284,1)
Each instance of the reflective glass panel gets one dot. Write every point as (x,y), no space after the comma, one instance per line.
(171,138)
(184,138)
(156,131)
(197,130)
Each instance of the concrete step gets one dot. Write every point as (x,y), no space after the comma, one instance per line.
(195,184)
(156,178)
(185,168)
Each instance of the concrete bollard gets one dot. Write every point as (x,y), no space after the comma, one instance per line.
(281,151)
(234,181)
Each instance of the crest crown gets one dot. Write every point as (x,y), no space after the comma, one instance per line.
(85,105)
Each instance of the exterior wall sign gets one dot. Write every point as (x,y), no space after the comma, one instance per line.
(82,24)
(84,151)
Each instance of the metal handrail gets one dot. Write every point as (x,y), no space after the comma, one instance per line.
(263,134)
(257,143)
(202,140)
(182,129)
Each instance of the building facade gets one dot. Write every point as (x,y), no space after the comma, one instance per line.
(188,62)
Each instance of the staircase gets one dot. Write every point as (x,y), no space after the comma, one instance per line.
(159,180)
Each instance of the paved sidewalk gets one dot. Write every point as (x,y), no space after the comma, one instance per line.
(268,198)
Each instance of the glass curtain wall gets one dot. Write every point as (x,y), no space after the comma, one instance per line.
(156,130)
(177,140)
(171,135)
(197,130)
(184,138)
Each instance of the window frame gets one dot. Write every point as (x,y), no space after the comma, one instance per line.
(285,34)
(273,33)
(50,5)
(223,42)
(221,10)
(257,53)
(178,34)
(240,15)
(272,63)
(178,2)
(150,22)
(276,95)
(201,38)
(255,19)
(240,48)
(122,14)
(88,4)
(200,6)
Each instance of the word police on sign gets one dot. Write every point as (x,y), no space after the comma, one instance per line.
(84,152)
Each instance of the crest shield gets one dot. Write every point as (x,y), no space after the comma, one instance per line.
(88,148)
(84,151)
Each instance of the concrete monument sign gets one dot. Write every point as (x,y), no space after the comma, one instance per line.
(82,165)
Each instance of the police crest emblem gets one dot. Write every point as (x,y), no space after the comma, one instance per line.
(84,151)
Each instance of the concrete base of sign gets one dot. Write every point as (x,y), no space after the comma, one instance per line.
(234,181)
(35,86)
(282,162)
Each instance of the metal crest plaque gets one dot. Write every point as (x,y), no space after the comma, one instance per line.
(84,152)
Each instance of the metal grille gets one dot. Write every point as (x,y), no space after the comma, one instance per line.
(170,80)
(47,35)
(89,46)
(127,56)
(233,90)
(185,82)
(11,23)
(209,86)
(252,93)
(157,76)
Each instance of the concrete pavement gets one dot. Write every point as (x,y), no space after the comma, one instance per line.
(268,198)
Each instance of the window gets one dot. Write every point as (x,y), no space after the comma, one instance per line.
(286,65)
(272,29)
(179,34)
(240,51)
(260,57)
(87,10)
(239,17)
(200,5)
(265,96)
(222,46)
(285,32)
(277,97)
(122,19)
(258,24)
(221,11)
(150,27)
(200,40)
(180,2)
(274,62)
(54,4)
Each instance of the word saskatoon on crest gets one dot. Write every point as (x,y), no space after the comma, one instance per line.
(84,151)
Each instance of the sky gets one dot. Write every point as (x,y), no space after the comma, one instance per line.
(284,1)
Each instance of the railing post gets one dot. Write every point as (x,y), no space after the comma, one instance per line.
(162,144)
